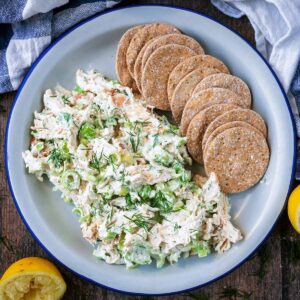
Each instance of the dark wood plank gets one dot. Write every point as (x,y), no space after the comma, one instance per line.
(279,282)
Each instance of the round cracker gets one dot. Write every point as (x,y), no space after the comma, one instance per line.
(142,37)
(222,128)
(229,82)
(190,65)
(157,70)
(244,115)
(198,127)
(137,71)
(155,43)
(204,99)
(179,39)
(239,157)
(185,88)
(122,71)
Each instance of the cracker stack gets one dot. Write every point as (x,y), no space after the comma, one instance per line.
(211,106)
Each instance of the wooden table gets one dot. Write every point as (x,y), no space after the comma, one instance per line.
(270,274)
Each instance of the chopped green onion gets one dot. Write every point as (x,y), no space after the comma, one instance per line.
(115,81)
(86,132)
(39,146)
(111,235)
(78,211)
(164,159)
(71,180)
(80,90)
(201,248)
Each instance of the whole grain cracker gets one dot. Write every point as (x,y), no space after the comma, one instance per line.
(244,115)
(224,127)
(137,71)
(179,39)
(203,100)
(190,65)
(122,71)
(229,82)
(142,37)
(152,45)
(185,88)
(198,125)
(157,70)
(239,157)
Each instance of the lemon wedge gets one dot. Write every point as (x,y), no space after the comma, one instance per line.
(294,209)
(32,278)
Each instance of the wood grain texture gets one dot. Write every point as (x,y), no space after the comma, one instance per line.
(282,269)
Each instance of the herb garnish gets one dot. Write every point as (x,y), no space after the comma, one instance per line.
(122,92)
(86,132)
(161,202)
(176,226)
(111,160)
(232,293)
(135,140)
(139,220)
(6,243)
(157,217)
(58,156)
(200,296)
(264,257)
(95,162)
(65,99)
(155,139)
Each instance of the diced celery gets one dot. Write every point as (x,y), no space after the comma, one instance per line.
(39,146)
(201,248)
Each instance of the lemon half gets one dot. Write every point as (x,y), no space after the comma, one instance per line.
(32,278)
(294,209)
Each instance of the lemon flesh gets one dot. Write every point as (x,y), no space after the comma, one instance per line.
(32,279)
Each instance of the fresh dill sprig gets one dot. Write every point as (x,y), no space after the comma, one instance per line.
(139,220)
(122,92)
(233,293)
(7,244)
(95,162)
(58,156)
(161,202)
(264,258)
(157,217)
(111,160)
(135,140)
(65,99)
(198,296)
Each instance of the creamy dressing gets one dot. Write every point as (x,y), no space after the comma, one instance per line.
(123,168)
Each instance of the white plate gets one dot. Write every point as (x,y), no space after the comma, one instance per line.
(92,44)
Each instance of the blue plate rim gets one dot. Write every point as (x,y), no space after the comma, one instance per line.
(40,57)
